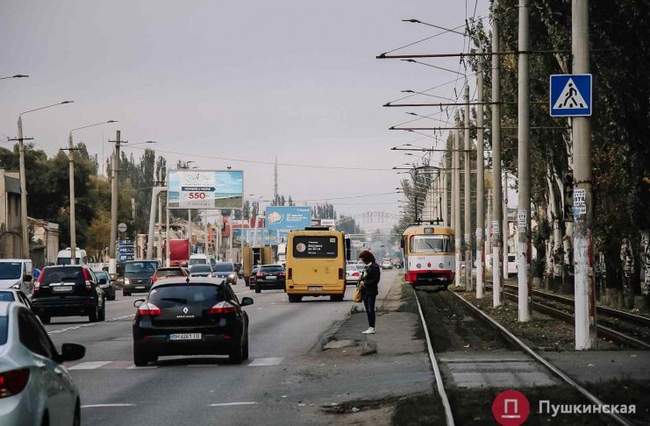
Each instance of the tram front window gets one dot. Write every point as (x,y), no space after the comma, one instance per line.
(431,243)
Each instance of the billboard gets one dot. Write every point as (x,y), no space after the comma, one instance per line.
(287,217)
(205,189)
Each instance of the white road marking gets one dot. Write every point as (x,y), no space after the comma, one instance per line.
(89,365)
(134,367)
(266,362)
(231,404)
(90,324)
(107,405)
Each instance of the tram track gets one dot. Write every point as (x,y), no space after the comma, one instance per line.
(619,326)
(444,389)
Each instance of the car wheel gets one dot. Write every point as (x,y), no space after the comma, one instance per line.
(76,420)
(338,298)
(125,293)
(102,314)
(258,289)
(45,319)
(236,355)
(141,357)
(94,315)
(46,419)
(111,296)
(293,298)
(246,348)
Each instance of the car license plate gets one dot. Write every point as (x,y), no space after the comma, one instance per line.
(139,287)
(62,289)
(315,288)
(271,277)
(185,336)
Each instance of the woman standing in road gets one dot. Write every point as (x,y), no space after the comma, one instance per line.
(369,285)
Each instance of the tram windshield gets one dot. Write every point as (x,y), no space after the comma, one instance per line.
(431,243)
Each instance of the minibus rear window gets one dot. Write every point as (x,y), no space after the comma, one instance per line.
(320,247)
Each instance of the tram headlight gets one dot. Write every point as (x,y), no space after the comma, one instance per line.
(442,265)
(418,265)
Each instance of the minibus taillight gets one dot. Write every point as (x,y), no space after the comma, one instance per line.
(290,273)
(341,274)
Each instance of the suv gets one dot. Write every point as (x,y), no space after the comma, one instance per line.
(137,275)
(270,277)
(190,317)
(66,291)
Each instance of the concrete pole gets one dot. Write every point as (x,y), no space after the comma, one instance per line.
(159,245)
(167,256)
(458,230)
(189,228)
(73,221)
(488,239)
(444,207)
(114,196)
(155,195)
(585,313)
(206,232)
(23,192)
(468,197)
(523,167)
(505,235)
(497,202)
(480,186)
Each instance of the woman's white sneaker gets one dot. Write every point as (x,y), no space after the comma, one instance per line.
(370,330)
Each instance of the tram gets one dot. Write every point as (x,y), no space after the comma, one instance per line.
(428,254)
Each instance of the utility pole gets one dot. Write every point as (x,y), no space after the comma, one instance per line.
(585,312)
(497,202)
(23,191)
(505,235)
(468,197)
(275,179)
(189,227)
(73,220)
(480,184)
(523,167)
(112,266)
(458,230)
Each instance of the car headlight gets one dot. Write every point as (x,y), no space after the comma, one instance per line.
(127,281)
(232,276)
(16,286)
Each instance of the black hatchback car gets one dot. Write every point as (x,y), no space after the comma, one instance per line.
(269,277)
(190,316)
(67,290)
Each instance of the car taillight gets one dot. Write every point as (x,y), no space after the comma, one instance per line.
(13,382)
(154,279)
(355,274)
(86,275)
(148,309)
(222,308)
(290,273)
(259,275)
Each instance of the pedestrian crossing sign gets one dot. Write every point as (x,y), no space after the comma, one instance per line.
(570,95)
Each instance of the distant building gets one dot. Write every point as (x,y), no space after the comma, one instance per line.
(45,241)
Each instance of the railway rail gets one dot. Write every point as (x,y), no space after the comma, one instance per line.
(512,339)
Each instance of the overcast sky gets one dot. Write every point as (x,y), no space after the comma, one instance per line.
(246,80)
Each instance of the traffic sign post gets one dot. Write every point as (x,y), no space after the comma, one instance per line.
(570,95)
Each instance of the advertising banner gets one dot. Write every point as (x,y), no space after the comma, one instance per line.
(205,189)
(287,217)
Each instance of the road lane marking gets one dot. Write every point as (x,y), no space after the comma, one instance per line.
(135,367)
(90,324)
(266,362)
(89,365)
(107,405)
(232,404)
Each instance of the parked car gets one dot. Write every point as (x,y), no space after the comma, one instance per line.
(106,284)
(137,276)
(170,272)
(67,290)
(199,317)
(251,279)
(15,295)
(198,259)
(35,387)
(353,273)
(200,270)
(16,273)
(270,277)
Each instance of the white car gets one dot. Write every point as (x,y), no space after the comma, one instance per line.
(35,388)
(353,273)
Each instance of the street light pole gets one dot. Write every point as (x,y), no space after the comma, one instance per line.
(456,197)
(23,179)
(468,201)
(523,168)
(497,202)
(114,194)
(585,313)
(480,183)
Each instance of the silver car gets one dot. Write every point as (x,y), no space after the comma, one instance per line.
(35,388)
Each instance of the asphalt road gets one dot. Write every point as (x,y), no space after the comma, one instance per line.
(199,390)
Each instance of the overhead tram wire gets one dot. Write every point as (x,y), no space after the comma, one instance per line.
(240,160)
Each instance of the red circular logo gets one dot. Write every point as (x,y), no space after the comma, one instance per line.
(510,408)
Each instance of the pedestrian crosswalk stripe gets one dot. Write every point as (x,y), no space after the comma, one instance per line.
(89,365)
(266,362)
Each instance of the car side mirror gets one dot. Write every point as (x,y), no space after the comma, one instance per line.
(138,302)
(245,301)
(71,352)
(28,278)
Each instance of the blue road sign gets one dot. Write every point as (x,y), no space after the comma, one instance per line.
(570,95)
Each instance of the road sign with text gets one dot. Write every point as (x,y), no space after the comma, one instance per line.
(570,95)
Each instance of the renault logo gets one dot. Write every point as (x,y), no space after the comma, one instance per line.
(185,310)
